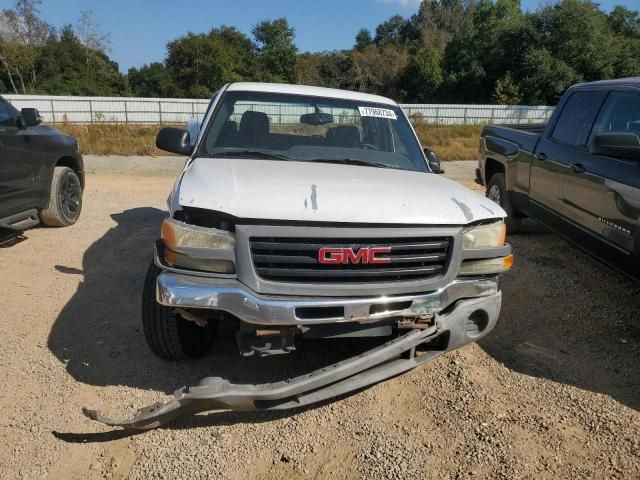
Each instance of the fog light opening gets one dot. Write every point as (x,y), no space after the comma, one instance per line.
(476,323)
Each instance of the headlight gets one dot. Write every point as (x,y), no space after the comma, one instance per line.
(194,247)
(485,236)
(487,266)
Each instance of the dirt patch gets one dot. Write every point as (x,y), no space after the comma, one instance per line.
(553,392)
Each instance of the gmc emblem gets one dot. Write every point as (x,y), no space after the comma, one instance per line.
(344,256)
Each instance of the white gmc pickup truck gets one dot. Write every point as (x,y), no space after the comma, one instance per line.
(314,212)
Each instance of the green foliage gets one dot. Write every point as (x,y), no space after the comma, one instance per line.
(199,64)
(507,91)
(152,80)
(276,50)
(467,51)
(66,67)
(363,39)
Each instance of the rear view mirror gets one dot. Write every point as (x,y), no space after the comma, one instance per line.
(30,117)
(433,160)
(174,140)
(316,118)
(617,145)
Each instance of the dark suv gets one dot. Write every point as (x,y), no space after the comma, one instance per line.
(41,172)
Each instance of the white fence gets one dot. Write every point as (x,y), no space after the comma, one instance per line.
(56,109)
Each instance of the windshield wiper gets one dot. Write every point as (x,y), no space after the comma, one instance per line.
(349,161)
(252,153)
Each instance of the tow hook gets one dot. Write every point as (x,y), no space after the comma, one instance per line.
(201,322)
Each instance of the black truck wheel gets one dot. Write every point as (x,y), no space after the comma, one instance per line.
(65,199)
(497,191)
(168,335)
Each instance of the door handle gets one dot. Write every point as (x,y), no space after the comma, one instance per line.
(540,156)
(578,168)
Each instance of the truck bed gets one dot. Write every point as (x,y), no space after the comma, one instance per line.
(524,136)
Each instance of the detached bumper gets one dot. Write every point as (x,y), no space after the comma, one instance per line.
(466,322)
(187,291)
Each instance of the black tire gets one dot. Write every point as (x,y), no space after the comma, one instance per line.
(65,199)
(168,335)
(497,191)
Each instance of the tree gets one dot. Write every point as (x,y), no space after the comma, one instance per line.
(62,67)
(199,64)
(152,80)
(363,39)
(507,91)
(22,23)
(276,50)
(625,22)
(377,70)
(393,31)
(578,33)
(91,34)
(546,77)
(22,32)
(424,77)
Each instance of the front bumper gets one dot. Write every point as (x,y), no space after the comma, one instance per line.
(187,291)
(467,322)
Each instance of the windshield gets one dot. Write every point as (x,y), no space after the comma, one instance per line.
(256,125)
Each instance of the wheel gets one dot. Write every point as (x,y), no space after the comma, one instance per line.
(168,335)
(497,191)
(65,199)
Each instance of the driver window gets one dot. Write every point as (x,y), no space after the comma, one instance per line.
(620,114)
(6,117)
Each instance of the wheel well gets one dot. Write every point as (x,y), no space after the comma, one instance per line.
(491,167)
(72,163)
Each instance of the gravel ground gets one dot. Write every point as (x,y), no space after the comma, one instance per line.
(553,392)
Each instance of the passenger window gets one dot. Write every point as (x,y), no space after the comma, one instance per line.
(620,114)
(6,117)
(576,119)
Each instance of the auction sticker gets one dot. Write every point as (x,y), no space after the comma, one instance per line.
(377,112)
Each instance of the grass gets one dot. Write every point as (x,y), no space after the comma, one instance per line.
(450,142)
(114,139)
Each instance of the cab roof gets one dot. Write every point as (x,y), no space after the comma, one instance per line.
(618,82)
(307,90)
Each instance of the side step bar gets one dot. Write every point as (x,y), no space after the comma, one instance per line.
(21,221)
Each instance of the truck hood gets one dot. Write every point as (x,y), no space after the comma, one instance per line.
(327,192)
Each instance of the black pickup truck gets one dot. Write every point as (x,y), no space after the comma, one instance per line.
(579,174)
(41,172)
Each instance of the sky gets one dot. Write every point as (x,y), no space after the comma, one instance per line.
(140,29)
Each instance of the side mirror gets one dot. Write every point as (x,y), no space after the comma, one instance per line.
(29,117)
(433,161)
(617,145)
(174,140)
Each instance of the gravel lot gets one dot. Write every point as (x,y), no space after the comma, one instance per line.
(554,392)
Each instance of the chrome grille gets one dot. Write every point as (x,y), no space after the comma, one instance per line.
(295,260)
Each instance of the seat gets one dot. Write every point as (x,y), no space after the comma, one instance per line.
(254,129)
(344,136)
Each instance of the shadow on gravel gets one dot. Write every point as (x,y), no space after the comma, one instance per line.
(567,318)
(98,334)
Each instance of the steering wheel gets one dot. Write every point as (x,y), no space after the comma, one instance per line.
(368,146)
